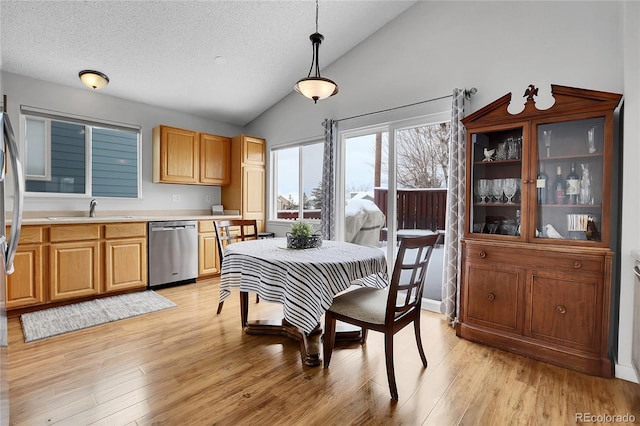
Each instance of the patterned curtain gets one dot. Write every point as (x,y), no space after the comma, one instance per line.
(328,180)
(455,209)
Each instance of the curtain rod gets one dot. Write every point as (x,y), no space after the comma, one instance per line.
(467,94)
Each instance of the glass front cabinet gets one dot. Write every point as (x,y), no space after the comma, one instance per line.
(541,200)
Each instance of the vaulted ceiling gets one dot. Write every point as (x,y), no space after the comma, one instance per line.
(225,60)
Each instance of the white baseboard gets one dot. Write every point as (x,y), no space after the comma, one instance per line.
(626,372)
(431,305)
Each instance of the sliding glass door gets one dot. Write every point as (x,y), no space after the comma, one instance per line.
(392,183)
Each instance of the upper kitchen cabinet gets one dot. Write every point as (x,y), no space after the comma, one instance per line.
(215,155)
(246,193)
(189,157)
(541,222)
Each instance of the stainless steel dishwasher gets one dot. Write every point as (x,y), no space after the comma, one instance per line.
(173,253)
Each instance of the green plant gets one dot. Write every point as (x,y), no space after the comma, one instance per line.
(301,228)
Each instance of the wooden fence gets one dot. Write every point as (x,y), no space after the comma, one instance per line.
(417,208)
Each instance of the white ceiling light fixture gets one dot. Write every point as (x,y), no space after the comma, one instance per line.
(93,79)
(316,87)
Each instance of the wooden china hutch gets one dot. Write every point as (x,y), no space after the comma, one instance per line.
(541,221)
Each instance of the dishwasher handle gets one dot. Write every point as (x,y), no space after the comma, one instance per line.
(172,227)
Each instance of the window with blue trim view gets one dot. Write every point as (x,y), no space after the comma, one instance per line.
(74,158)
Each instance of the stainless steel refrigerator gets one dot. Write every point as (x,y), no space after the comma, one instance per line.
(8,154)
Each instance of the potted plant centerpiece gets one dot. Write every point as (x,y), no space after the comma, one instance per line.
(301,236)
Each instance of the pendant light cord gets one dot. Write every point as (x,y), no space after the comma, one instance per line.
(317,15)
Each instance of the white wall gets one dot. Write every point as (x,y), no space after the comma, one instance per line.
(22,90)
(498,47)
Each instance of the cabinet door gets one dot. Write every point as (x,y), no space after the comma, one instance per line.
(563,309)
(493,296)
(125,264)
(253,203)
(253,151)
(215,159)
(573,156)
(74,270)
(208,259)
(25,286)
(178,155)
(495,175)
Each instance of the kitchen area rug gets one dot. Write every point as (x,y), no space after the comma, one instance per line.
(62,319)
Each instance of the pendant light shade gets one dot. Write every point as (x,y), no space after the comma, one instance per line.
(316,87)
(93,79)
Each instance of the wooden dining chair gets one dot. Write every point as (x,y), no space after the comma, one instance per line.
(386,310)
(230,231)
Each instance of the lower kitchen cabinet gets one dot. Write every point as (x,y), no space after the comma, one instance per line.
(26,286)
(65,262)
(208,258)
(125,256)
(75,270)
(552,305)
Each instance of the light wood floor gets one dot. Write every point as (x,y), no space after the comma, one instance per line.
(189,366)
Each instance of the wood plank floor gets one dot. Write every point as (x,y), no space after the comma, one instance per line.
(189,366)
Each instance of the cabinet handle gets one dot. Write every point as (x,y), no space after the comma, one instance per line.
(491,296)
(576,264)
(561,309)
(482,254)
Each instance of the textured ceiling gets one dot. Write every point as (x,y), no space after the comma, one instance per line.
(162,52)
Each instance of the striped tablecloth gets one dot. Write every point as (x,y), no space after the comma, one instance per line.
(303,281)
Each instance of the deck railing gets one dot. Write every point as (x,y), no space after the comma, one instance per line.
(423,208)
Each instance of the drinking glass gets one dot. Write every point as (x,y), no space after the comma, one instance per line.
(496,190)
(546,135)
(501,152)
(483,190)
(510,186)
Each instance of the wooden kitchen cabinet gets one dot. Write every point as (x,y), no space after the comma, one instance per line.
(537,263)
(189,157)
(75,270)
(208,257)
(215,154)
(176,155)
(26,286)
(125,253)
(246,193)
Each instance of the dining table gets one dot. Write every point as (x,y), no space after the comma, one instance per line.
(303,281)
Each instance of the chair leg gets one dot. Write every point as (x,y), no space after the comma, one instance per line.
(363,336)
(329,338)
(244,308)
(391,375)
(416,326)
(219,308)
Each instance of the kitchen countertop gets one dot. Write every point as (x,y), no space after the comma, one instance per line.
(59,218)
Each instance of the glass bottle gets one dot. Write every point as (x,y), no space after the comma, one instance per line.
(542,186)
(573,185)
(586,195)
(559,187)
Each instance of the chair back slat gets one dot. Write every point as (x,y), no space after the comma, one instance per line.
(409,274)
(231,231)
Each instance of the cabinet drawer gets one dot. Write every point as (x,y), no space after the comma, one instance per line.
(125,230)
(29,234)
(205,226)
(531,259)
(75,232)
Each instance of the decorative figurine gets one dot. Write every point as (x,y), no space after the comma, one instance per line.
(488,154)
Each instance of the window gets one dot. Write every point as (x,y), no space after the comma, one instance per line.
(72,157)
(297,175)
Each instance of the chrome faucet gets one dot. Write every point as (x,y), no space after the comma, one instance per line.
(92,208)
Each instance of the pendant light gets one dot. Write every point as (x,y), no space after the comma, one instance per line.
(93,79)
(316,87)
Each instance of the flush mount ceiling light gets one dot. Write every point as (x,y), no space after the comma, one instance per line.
(316,87)
(93,79)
